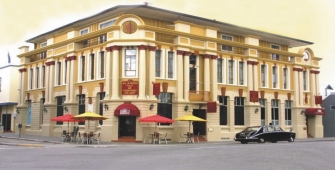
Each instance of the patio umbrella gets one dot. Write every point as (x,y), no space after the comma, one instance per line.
(190,118)
(65,118)
(157,119)
(89,116)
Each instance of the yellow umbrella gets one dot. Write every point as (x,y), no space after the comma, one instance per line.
(89,116)
(190,118)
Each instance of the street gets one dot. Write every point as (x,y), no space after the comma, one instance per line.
(281,155)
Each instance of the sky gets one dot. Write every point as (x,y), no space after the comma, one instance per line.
(310,20)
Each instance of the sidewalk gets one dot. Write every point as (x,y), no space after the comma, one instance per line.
(57,140)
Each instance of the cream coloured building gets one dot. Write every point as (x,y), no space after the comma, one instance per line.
(115,62)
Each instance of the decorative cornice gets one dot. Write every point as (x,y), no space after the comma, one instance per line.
(108,49)
(115,47)
(207,56)
(22,70)
(297,69)
(142,47)
(252,62)
(214,57)
(187,53)
(314,72)
(179,52)
(151,48)
(73,57)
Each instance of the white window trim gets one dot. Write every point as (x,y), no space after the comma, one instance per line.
(35,77)
(42,44)
(245,75)
(307,80)
(234,72)
(124,63)
(174,65)
(57,74)
(277,77)
(80,68)
(265,76)
(275,45)
(106,22)
(224,71)
(288,78)
(232,39)
(87,28)
(98,67)
(41,76)
(89,66)
(162,64)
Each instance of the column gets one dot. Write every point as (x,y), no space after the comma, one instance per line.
(67,89)
(73,73)
(108,71)
(251,75)
(51,81)
(296,87)
(180,75)
(22,88)
(152,52)
(317,81)
(206,72)
(141,75)
(214,92)
(255,73)
(186,74)
(115,72)
(47,84)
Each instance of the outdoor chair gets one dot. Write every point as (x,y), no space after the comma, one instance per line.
(156,138)
(163,138)
(64,136)
(79,138)
(181,137)
(147,137)
(84,138)
(97,138)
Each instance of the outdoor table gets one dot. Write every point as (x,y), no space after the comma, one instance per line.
(89,137)
(154,138)
(189,137)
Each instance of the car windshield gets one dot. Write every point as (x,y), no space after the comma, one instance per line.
(254,128)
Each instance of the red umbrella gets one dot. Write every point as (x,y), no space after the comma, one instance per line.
(66,118)
(157,119)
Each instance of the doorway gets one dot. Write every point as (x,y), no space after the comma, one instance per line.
(6,122)
(127,126)
(199,126)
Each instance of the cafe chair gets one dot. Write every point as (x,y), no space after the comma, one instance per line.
(85,138)
(97,139)
(79,138)
(156,138)
(147,137)
(181,137)
(64,136)
(163,138)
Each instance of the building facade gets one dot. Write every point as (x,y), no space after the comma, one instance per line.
(9,96)
(129,62)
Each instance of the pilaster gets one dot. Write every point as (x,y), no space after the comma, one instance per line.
(142,72)
(152,52)
(186,75)
(214,75)
(179,74)
(115,73)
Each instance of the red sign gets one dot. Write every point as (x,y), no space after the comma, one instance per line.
(318,100)
(211,107)
(129,87)
(156,89)
(253,96)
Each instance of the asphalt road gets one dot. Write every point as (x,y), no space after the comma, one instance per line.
(209,156)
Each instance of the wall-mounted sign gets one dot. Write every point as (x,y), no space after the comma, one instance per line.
(318,100)
(156,88)
(129,87)
(124,112)
(211,107)
(253,96)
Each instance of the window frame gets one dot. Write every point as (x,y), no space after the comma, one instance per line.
(227,46)
(158,63)
(136,57)
(91,66)
(262,103)
(286,78)
(244,73)
(84,29)
(105,22)
(273,55)
(101,64)
(305,80)
(43,44)
(82,68)
(231,72)
(275,79)
(265,84)
(288,112)
(170,63)
(275,111)
(239,104)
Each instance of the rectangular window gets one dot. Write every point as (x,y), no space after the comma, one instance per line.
(102,64)
(239,110)
(106,24)
(29,112)
(227,47)
(275,112)
(275,56)
(231,71)
(223,100)
(37,77)
(220,70)
(81,106)
(193,72)
(158,57)
(60,109)
(170,64)
(84,31)
(31,80)
(285,78)
(82,68)
(59,73)
(101,111)
(288,116)
(164,107)
(92,66)
(43,76)
(65,71)
(304,79)
(130,64)
(274,77)
(43,55)
(241,73)
(263,75)
(43,44)
(263,106)
(102,38)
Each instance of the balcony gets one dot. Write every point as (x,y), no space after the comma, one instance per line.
(38,56)
(273,56)
(199,96)
(231,49)
(93,41)
(164,38)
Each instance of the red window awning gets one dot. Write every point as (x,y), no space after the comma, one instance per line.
(127,109)
(315,111)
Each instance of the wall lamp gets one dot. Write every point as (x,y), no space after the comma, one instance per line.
(44,110)
(302,112)
(105,106)
(151,106)
(65,109)
(186,108)
(256,110)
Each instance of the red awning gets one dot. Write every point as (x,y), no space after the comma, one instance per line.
(315,111)
(127,109)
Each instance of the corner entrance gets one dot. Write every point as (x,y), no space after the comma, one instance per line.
(127,126)
(199,126)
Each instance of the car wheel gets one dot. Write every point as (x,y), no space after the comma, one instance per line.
(291,139)
(261,140)
(244,142)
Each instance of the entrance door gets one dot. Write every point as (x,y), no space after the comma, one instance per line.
(6,121)
(199,126)
(127,125)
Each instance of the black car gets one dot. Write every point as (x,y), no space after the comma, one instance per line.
(261,134)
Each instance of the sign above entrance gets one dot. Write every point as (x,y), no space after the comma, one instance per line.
(130,87)
(124,112)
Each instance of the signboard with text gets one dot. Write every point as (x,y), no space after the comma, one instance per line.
(156,88)
(129,87)
(253,96)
